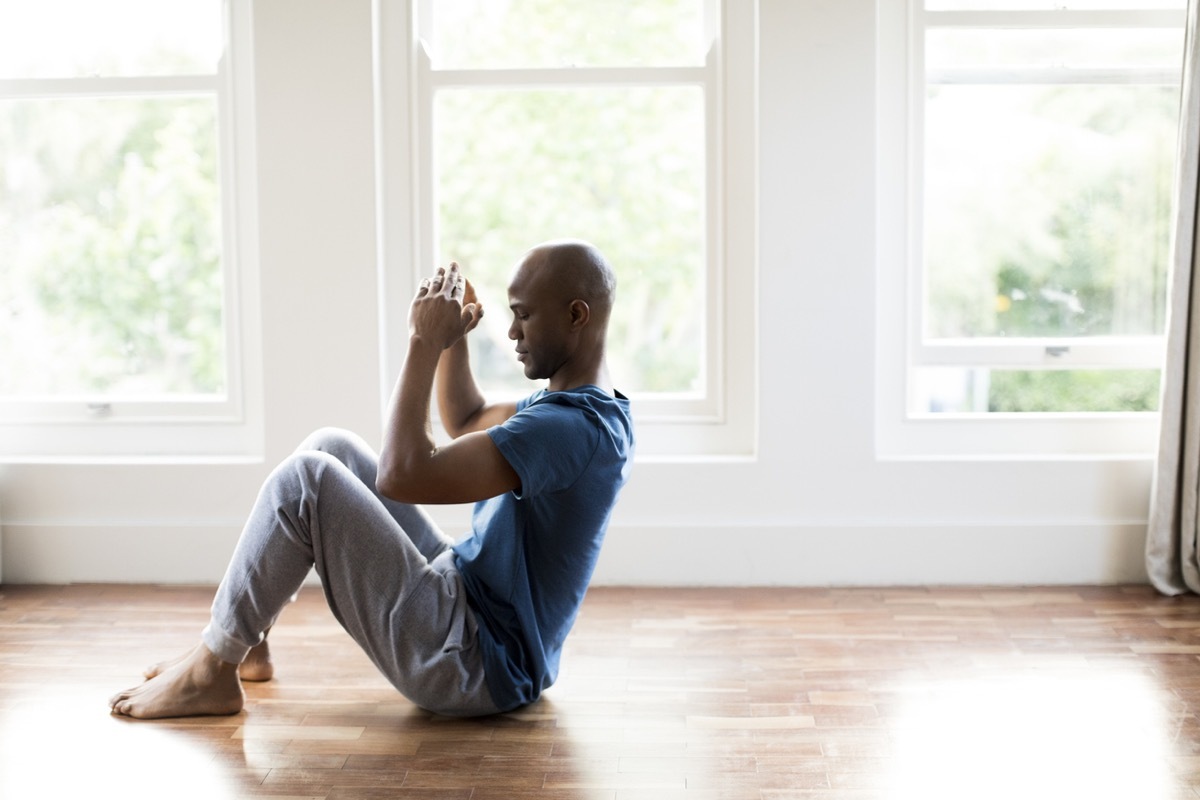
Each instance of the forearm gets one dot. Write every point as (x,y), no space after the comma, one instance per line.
(460,400)
(408,443)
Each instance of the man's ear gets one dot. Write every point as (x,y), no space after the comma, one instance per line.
(580,313)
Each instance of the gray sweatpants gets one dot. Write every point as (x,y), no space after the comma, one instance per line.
(387,572)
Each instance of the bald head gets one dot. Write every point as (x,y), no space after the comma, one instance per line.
(576,270)
(561,295)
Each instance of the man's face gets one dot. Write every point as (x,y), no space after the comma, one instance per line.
(541,323)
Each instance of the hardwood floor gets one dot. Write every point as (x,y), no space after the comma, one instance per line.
(665,694)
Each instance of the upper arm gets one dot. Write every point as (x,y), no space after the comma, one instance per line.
(466,470)
(481,419)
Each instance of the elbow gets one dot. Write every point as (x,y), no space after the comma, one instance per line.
(404,479)
(391,482)
(387,487)
(396,491)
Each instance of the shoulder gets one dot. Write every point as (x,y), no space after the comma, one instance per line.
(554,436)
(587,408)
(544,416)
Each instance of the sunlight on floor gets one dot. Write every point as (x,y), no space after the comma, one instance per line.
(1032,735)
(106,756)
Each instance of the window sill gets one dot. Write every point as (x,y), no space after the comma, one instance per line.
(111,442)
(1018,437)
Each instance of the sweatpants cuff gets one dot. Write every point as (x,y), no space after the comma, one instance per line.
(223,646)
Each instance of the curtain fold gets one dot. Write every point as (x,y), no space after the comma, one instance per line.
(1174,530)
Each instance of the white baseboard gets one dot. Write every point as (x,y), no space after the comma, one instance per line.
(806,555)
(814,555)
(116,553)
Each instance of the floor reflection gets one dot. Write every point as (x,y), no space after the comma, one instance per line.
(1052,733)
(62,746)
(897,694)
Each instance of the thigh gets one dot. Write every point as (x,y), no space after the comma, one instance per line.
(409,615)
(436,660)
(368,564)
(363,463)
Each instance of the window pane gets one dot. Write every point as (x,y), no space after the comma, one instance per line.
(83,38)
(622,168)
(110,245)
(485,34)
(1047,209)
(1101,48)
(942,390)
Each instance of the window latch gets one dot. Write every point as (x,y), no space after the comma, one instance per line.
(99,410)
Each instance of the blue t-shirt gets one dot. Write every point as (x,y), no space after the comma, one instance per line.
(531,552)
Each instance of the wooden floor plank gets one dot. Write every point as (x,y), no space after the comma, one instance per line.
(670,694)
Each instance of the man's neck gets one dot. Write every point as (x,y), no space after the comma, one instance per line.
(597,376)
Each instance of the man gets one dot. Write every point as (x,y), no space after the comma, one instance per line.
(467,629)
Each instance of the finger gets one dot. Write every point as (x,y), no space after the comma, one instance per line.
(423,287)
(456,285)
(454,281)
(471,315)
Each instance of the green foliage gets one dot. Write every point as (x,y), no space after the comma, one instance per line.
(1076,390)
(112,280)
(1047,210)
(623,168)
(1048,215)
(510,174)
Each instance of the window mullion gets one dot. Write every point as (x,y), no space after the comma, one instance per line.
(1058,18)
(425,205)
(583,76)
(1053,76)
(110,87)
(716,213)
(237,212)
(915,283)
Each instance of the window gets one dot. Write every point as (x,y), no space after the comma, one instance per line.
(121,279)
(542,119)
(1038,148)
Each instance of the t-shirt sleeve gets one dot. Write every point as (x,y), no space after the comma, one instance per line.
(548,445)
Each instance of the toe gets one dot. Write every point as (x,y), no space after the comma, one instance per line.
(119,702)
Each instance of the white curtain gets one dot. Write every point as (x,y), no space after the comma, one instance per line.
(1172,560)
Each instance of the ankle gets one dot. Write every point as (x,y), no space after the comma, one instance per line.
(209,665)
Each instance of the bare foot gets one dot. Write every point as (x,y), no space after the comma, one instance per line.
(155,670)
(258,665)
(198,684)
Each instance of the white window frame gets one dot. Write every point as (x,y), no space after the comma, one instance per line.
(719,420)
(900,432)
(175,427)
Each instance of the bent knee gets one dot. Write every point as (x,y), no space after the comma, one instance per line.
(330,440)
(302,468)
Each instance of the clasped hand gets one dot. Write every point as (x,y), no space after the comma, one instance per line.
(445,308)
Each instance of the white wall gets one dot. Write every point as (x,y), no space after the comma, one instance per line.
(814,507)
